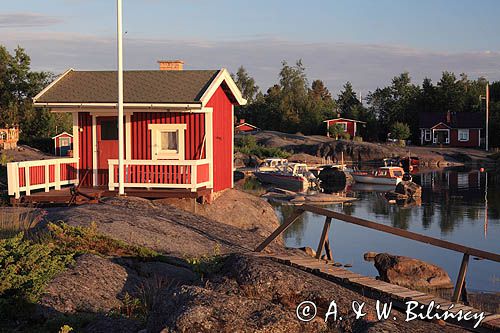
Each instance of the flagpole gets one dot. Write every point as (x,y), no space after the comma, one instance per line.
(119,35)
(487,115)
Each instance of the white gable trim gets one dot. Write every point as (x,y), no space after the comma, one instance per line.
(247,124)
(221,77)
(51,85)
(63,133)
(440,123)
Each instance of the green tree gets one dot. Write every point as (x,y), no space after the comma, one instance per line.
(320,92)
(336,131)
(246,84)
(400,131)
(18,86)
(347,101)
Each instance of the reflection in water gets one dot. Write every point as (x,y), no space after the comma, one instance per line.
(453,208)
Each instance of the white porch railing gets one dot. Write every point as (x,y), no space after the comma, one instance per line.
(175,174)
(32,175)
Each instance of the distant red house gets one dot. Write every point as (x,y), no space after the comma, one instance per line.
(178,124)
(454,129)
(350,125)
(243,126)
(63,144)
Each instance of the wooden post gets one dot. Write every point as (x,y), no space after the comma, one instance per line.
(46,169)
(27,179)
(295,215)
(461,278)
(324,237)
(328,250)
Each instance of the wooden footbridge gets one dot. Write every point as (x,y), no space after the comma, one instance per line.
(376,289)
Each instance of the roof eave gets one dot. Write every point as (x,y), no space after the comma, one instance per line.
(194,105)
(51,84)
(223,76)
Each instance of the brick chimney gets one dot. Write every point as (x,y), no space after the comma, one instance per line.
(448,117)
(171,65)
(242,121)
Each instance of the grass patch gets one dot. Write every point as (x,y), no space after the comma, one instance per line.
(14,220)
(79,240)
(207,264)
(248,145)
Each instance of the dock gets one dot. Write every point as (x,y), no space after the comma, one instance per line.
(323,266)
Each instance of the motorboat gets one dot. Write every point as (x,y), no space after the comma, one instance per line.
(388,175)
(291,176)
(271,164)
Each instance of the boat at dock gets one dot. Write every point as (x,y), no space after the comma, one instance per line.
(271,164)
(291,176)
(383,176)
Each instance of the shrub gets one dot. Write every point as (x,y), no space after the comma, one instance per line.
(345,136)
(26,267)
(400,131)
(357,139)
(336,131)
(248,145)
(207,264)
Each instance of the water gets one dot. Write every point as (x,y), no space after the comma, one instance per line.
(454,207)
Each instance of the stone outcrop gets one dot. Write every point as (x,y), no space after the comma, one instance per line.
(411,273)
(409,189)
(237,209)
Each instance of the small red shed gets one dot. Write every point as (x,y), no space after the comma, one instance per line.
(243,126)
(350,125)
(178,124)
(63,144)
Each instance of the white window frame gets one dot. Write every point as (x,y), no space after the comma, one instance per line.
(62,139)
(427,135)
(156,152)
(343,123)
(463,131)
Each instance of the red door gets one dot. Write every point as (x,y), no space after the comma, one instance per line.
(107,146)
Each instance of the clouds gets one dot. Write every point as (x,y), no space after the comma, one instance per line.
(365,65)
(27,20)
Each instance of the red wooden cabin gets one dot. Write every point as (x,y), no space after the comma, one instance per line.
(178,131)
(63,144)
(454,129)
(350,125)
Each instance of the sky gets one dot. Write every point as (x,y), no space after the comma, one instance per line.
(366,42)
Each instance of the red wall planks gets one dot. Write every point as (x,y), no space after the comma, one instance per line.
(194,135)
(222,139)
(85,149)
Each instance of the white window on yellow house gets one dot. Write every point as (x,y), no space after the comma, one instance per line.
(167,141)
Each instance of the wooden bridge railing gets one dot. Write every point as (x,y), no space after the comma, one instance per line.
(324,243)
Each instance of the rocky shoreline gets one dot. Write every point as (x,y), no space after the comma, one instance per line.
(203,279)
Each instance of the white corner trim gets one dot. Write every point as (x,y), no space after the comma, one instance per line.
(51,85)
(221,77)
(209,146)
(128,136)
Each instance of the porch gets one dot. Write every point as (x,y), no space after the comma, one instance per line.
(50,180)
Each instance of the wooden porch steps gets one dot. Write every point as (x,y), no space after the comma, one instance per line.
(376,289)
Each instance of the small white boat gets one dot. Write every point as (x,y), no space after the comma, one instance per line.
(383,176)
(291,176)
(271,164)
